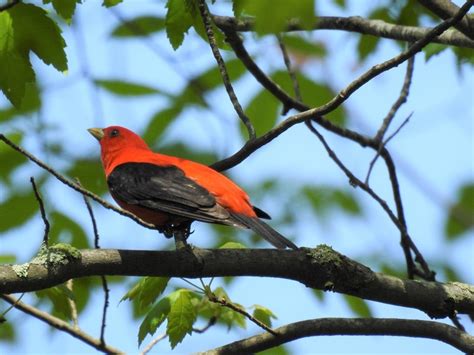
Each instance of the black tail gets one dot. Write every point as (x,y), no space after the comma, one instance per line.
(264,230)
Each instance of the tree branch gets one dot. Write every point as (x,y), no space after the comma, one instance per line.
(222,69)
(317,113)
(321,268)
(357,24)
(60,325)
(347,326)
(446,9)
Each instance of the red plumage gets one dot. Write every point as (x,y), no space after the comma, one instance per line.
(167,191)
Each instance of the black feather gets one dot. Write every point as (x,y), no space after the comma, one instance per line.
(264,230)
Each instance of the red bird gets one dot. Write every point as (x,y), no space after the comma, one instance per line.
(169,192)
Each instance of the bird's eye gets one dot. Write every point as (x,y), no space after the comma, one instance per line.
(114,133)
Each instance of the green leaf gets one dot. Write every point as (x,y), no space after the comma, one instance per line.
(318,294)
(10,159)
(16,70)
(264,315)
(181,318)
(178,21)
(146,291)
(125,88)
(433,49)
(159,123)
(366,45)
(211,78)
(277,350)
(35,31)
(323,199)
(60,300)
(461,214)
(65,8)
(154,318)
(110,3)
(232,245)
(296,44)
(7,332)
(140,26)
(263,112)
(7,258)
(17,209)
(90,173)
(272,16)
(358,306)
(66,230)
(25,28)
(30,103)
(314,93)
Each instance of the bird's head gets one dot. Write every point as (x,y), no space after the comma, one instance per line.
(117,142)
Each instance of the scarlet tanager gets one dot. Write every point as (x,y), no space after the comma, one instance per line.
(170,192)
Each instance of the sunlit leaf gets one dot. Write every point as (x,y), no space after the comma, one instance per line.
(65,8)
(7,332)
(146,291)
(273,18)
(461,215)
(66,230)
(262,111)
(17,209)
(126,88)
(7,259)
(181,318)
(358,306)
(60,300)
(154,318)
(178,21)
(302,46)
(232,245)
(139,27)
(110,3)
(264,315)
(159,123)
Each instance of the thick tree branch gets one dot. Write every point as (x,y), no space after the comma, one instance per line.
(344,326)
(321,268)
(60,325)
(446,9)
(357,24)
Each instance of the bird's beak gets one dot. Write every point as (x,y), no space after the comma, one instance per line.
(98,133)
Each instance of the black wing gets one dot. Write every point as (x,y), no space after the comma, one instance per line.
(165,189)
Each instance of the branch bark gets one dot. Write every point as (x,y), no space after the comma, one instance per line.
(321,268)
(360,25)
(344,326)
(446,9)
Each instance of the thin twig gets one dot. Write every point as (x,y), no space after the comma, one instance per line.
(60,325)
(402,98)
(289,68)
(153,343)
(103,278)
(222,69)
(382,145)
(223,302)
(212,321)
(73,185)
(42,211)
